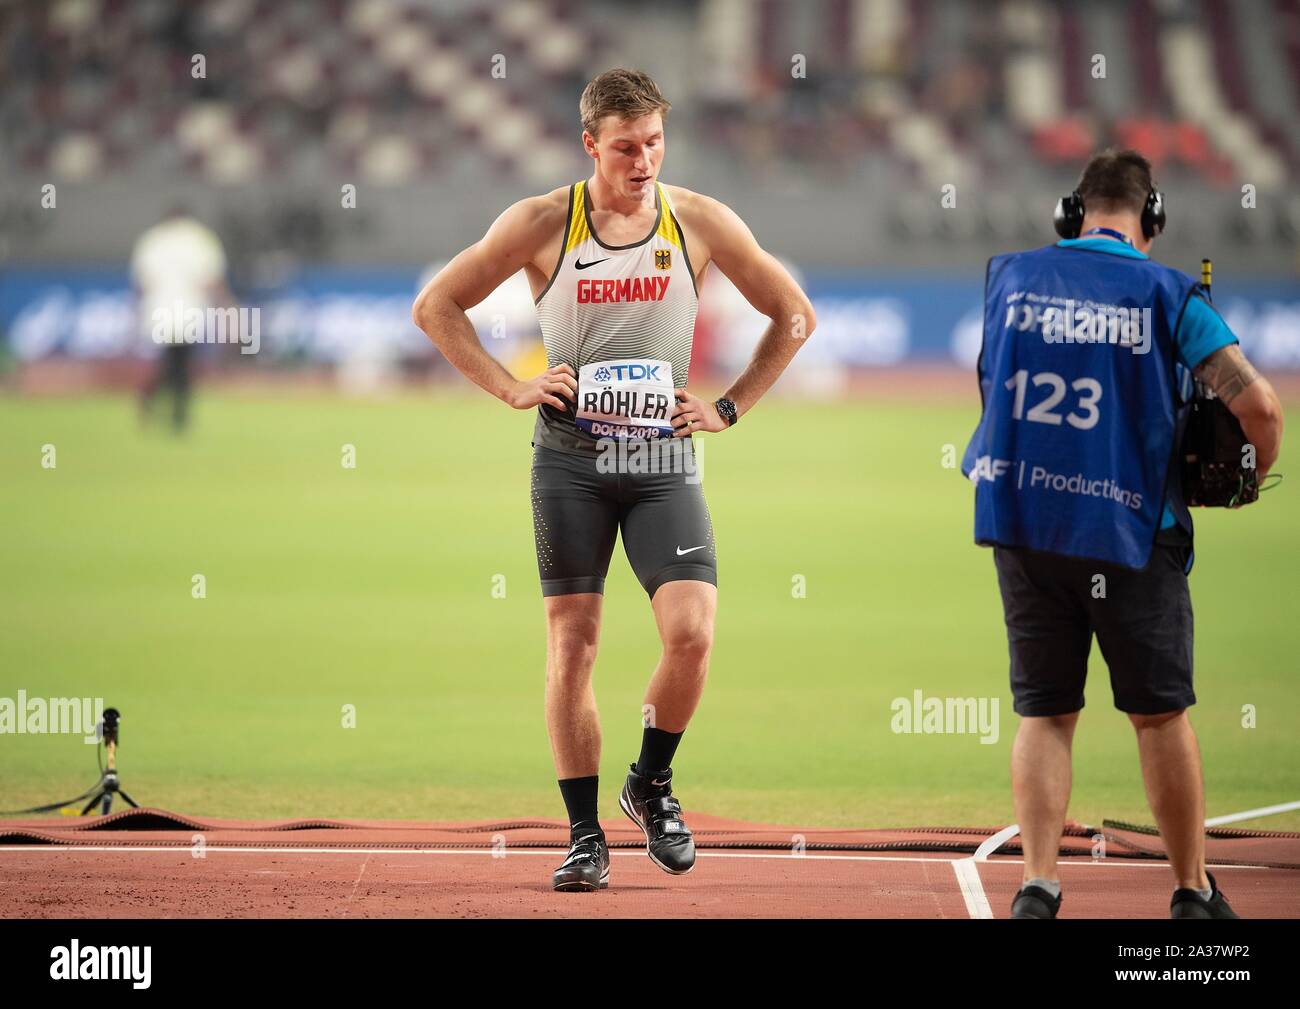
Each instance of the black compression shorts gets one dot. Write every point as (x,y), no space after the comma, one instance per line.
(581,501)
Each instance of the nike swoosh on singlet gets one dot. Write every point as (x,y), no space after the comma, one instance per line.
(681,552)
(580,265)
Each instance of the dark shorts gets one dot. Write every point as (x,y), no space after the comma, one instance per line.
(580,503)
(1143,626)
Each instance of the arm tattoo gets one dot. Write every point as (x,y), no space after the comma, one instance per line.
(1226,372)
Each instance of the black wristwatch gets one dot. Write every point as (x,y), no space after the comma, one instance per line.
(727,411)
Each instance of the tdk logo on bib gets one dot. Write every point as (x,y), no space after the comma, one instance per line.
(626,399)
(626,372)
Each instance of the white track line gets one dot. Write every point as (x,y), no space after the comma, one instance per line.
(1251,814)
(972,890)
(510,852)
(968,873)
(552,852)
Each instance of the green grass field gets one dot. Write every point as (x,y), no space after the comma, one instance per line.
(373,587)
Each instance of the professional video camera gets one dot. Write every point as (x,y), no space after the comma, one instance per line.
(1218,465)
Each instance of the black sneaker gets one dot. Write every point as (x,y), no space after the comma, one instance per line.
(586,867)
(1190,904)
(1034,902)
(650,804)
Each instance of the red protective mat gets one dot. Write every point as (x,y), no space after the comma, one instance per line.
(149,826)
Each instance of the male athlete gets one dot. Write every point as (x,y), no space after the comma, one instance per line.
(1083,374)
(615,263)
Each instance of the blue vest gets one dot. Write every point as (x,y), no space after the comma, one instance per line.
(1082,410)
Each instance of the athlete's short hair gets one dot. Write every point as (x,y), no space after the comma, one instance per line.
(628,94)
(1116,180)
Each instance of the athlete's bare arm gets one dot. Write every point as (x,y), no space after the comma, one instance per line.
(520,239)
(717,235)
(1251,399)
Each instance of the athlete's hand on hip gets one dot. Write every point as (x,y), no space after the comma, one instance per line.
(693,414)
(547,387)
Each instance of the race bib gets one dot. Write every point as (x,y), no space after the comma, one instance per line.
(631,398)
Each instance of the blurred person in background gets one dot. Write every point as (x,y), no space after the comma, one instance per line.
(178,265)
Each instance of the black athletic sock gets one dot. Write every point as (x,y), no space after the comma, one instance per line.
(580,799)
(657,749)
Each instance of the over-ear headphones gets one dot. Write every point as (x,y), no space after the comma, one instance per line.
(1068,217)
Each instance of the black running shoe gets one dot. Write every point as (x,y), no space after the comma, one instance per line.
(650,804)
(586,867)
(1034,902)
(1190,904)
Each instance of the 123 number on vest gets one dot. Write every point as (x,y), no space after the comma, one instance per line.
(1045,410)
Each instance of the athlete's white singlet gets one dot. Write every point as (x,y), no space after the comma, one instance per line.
(609,303)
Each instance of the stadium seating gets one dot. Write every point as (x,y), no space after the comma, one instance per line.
(394,92)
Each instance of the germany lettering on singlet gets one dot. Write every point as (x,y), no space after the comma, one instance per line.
(613,303)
